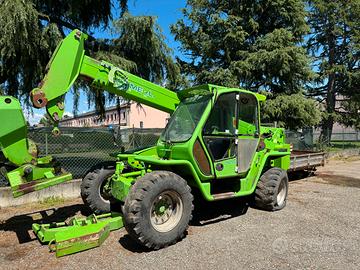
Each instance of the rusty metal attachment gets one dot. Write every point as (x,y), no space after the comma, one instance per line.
(61,105)
(77,35)
(38,98)
(56,132)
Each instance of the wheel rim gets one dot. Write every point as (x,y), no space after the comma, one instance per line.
(166,211)
(104,192)
(281,194)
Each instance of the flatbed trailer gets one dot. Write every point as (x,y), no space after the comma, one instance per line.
(306,160)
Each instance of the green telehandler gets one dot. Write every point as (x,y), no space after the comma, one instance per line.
(213,144)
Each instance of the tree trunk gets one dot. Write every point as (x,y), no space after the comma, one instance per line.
(328,123)
(326,131)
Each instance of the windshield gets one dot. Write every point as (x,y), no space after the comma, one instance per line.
(185,119)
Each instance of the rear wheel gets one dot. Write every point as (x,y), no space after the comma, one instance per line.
(272,190)
(94,188)
(158,209)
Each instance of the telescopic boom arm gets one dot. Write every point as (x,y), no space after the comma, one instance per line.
(69,63)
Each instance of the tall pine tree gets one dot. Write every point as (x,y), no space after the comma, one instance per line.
(250,44)
(335,45)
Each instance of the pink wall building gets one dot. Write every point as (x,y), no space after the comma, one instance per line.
(130,115)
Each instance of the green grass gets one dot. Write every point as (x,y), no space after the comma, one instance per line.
(52,201)
(336,146)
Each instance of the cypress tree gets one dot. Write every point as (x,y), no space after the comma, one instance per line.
(250,44)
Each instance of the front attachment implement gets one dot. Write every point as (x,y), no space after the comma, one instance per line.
(78,234)
(19,161)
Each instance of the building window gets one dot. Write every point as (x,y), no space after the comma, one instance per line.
(123,115)
(141,124)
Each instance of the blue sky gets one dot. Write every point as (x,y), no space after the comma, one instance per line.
(167,13)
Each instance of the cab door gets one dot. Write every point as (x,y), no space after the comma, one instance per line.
(220,135)
(231,133)
(248,131)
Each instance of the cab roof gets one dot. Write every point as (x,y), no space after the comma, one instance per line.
(210,89)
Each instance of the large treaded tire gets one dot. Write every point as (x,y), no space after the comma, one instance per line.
(139,205)
(91,187)
(270,184)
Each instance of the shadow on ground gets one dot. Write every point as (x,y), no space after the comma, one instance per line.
(338,180)
(21,224)
(300,175)
(205,213)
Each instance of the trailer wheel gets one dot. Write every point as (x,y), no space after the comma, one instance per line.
(93,187)
(272,190)
(158,209)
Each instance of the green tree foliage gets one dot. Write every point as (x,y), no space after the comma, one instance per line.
(45,121)
(250,44)
(31,29)
(245,43)
(291,111)
(335,45)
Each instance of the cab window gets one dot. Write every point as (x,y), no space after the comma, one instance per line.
(248,115)
(222,119)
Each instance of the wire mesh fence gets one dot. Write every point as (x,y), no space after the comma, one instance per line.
(79,149)
(303,140)
(309,139)
(339,140)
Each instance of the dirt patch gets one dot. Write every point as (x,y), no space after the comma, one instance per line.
(352,158)
(345,159)
(294,199)
(17,253)
(339,180)
(6,240)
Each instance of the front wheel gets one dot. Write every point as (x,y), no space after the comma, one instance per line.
(272,190)
(158,209)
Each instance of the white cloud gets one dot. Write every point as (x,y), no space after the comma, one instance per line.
(33,118)
(69,114)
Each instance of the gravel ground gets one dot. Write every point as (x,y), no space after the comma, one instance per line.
(318,229)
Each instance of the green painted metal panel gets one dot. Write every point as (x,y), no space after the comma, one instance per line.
(13,131)
(119,82)
(78,234)
(64,66)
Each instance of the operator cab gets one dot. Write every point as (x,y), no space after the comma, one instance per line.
(231,132)
(222,124)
